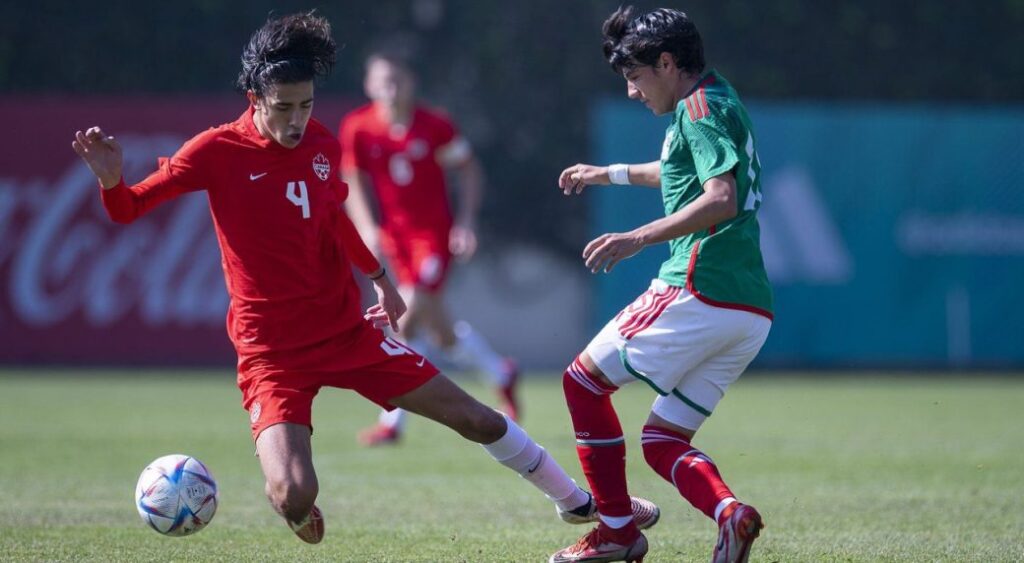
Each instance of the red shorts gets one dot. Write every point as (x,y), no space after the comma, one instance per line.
(280,388)
(419,260)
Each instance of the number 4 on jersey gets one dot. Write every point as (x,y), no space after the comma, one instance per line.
(297,194)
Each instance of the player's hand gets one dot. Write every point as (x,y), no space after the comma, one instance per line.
(607,250)
(390,306)
(102,154)
(462,242)
(578,176)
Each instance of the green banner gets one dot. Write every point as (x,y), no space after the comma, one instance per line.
(893,234)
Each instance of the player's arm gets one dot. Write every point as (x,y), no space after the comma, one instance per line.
(105,158)
(469,178)
(579,176)
(360,205)
(717,204)
(390,306)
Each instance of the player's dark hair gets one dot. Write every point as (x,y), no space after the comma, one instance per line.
(286,50)
(631,41)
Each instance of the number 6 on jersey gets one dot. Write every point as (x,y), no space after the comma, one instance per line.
(297,194)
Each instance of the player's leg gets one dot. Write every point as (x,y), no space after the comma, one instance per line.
(442,401)
(467,348)
(286,457)
(279,400)
(676,417)
(601,448)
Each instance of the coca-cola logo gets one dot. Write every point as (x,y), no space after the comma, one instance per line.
(65,258)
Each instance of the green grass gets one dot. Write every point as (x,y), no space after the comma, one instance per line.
(858,467)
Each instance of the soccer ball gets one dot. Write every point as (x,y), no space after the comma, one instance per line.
(176,495)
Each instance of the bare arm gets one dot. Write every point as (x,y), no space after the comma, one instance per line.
(647,174)
(715,205)
(360,206)
(579,176)
(469,177)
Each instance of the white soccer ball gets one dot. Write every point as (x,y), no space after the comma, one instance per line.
(176,495)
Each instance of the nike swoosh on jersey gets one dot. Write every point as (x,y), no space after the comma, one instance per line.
(420,363)
(257,176)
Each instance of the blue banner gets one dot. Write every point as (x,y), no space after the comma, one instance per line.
(893,234)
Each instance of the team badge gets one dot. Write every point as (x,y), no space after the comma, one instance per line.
(254,412)
(321,166)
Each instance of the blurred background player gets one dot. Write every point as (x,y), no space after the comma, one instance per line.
(705,316)
(395,153)
(286,244)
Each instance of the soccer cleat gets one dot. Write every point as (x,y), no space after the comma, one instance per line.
(378,435)
(311,529)
(736,534)
(595,547)
(645,513)
(507,392)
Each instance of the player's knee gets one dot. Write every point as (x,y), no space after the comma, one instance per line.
(653,453)
(292,498)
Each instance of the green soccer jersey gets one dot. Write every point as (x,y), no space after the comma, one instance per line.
(711,135)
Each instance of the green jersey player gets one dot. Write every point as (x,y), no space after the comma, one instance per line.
(708,312)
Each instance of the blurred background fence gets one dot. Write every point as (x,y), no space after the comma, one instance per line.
(891,136)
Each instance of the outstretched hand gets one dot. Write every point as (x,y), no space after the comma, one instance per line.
(578,176)
(102,154)
(389,308)
(607,250)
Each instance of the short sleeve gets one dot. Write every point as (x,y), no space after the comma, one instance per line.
(452,148)
(712,143)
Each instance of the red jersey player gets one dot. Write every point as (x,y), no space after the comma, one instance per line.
(395,153)
(294,318)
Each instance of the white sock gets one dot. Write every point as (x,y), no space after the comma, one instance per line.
(392,419)
(722,505)
(517,451)
(471,347)
(616,522)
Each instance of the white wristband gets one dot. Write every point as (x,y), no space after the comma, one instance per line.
(618,174)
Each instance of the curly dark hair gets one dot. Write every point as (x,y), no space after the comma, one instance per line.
(631,41)
(287,49)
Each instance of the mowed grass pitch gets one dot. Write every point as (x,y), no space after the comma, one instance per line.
(858,467)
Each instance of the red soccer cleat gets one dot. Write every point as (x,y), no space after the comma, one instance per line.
(740,527)
(311,529)
(595,547)
(378,435)
(507,392)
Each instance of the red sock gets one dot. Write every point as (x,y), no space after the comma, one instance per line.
(599,444)
(686,467)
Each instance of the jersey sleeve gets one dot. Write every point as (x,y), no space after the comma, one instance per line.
(348,235)
(177,175)
(352,159)
(714,142)
(452,149)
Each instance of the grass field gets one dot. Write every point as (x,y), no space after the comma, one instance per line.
(844,468)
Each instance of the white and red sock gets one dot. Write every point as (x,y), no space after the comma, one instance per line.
(696,477)
(601,448)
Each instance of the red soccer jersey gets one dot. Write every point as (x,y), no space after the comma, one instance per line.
(403,165)
(285,243)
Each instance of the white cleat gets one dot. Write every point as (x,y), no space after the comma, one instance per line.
(645,513)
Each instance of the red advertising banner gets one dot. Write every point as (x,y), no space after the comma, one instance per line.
(75,288)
